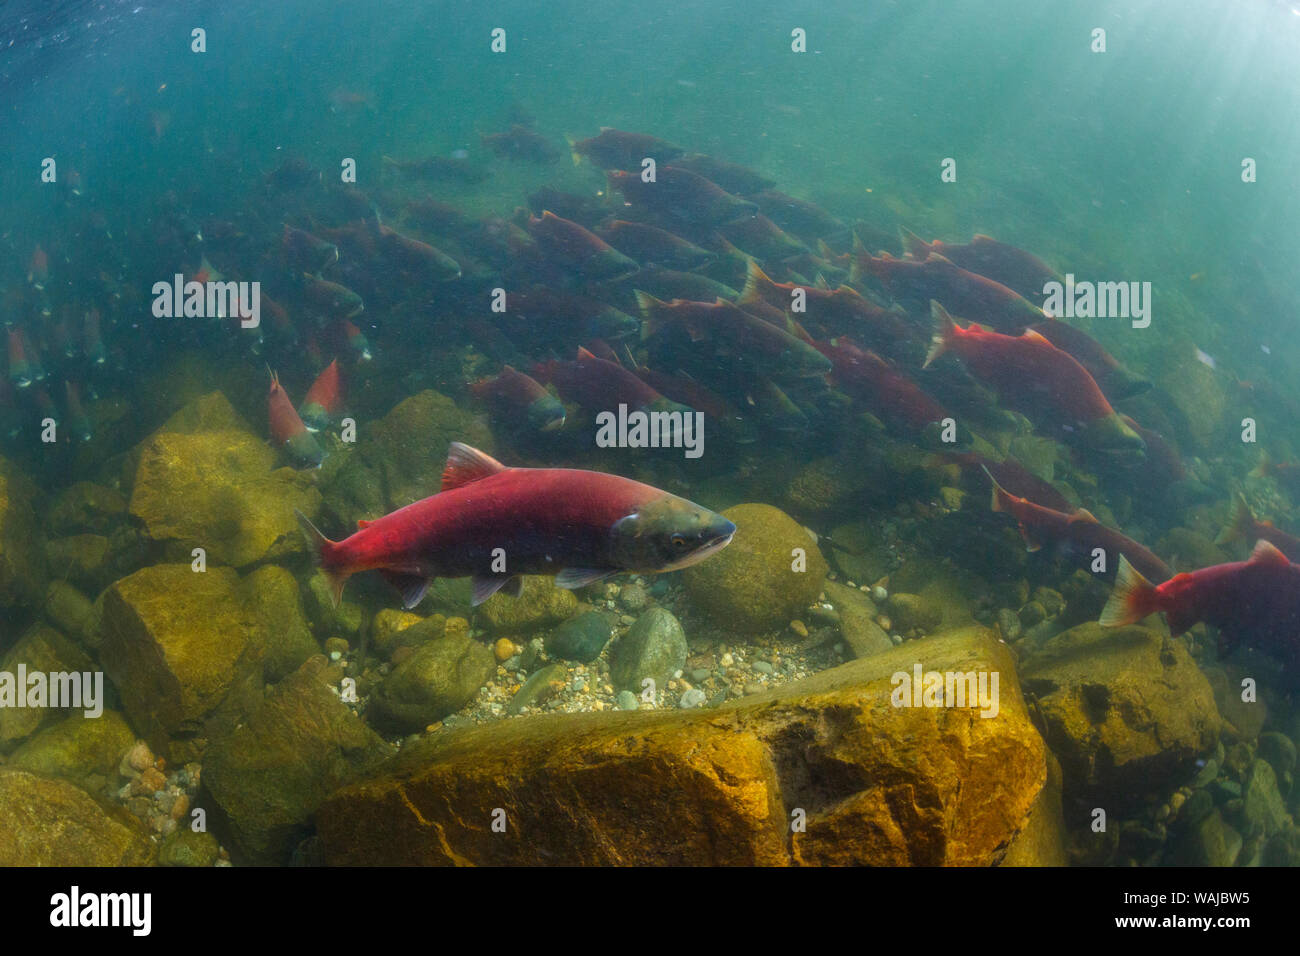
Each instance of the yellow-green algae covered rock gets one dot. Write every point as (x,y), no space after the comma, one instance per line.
(751,586)
(1127,710)
(47,822)
(22,552)
(174,642)
(220,491)
(876,783)
(84,750)
(41,649)
(269,775)
(541,604)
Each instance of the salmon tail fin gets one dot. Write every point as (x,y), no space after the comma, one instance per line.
(320,549)
(943,335)
(1240,524)
(756,281)
(1262,469)
(1134,597)
(652,320)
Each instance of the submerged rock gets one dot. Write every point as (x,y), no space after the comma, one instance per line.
(540,605)
(269,775)
(186,847)
(857,620)
(47,822)
(175,643)
(751,586)
(876,784)
(84,750)
(1127,710)
(86,507)
(22,552)
(272,593)
(580,638)
(654,647)
(41,649)
(440,678)
(220,491)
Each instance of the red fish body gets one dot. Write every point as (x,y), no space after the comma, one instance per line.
(886,392)
(1014,477)
(1244,526)
(1014,268)
(1074,535)
(516,398)
(682,196)
(1254,602)
(288,430)
(1034,377)
(963,292)
(578,248)
(598,385)
(324,399)
(1112,377)
(618,149)
(494,523)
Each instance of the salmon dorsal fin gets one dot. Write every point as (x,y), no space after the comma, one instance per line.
(362,523)
(467,465)
(1083,514)
(1266,553)
(1029,335)
(584,354)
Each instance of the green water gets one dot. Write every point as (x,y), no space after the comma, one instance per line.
(1122,164)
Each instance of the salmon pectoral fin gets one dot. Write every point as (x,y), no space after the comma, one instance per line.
(571,578)
(485,587)
(412,587)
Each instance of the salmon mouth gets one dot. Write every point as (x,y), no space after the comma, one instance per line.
(710,547)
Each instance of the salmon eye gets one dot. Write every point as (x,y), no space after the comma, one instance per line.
(678,542)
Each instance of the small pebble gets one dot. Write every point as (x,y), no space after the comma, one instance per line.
(884,622)
(726,660)
(700,675)
(879,594)
(139,758)
(763,667)
(504,649)
(692,698)
(626,700)
(799,628)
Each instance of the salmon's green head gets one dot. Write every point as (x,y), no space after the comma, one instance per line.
(667,533)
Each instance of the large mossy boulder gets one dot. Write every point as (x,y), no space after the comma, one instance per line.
(175,642)
(84,750)
(1127,710)
(769,574)
(439,678)
(273,594)
(41,650)
(268,776)
(408,446)
(872,782)
(22,545)
(540,604)
(46,822)
(221,491)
